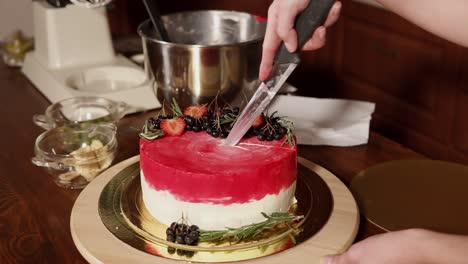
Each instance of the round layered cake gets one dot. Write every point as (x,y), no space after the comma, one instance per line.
(216,186)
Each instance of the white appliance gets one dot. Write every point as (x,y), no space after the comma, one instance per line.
(74,56)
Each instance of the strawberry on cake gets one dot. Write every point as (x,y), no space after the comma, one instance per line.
(187,171)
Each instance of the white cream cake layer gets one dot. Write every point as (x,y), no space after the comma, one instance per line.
(163,206)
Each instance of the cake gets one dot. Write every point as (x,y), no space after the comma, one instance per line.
(216,186)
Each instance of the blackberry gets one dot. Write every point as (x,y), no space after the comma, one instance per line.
(215,133)
(188,127)
(261,137)
(189,254)
(269,137)
(169,231)
(281,131)
(209,130)
(171,238)
(179,239)
(189,240)
(196,128)
(174,226)
(189,120)
(195,234)
(171,250)
(224,134)
(152,120)
(228,129)
(277,136)
(180,252)
(194,228)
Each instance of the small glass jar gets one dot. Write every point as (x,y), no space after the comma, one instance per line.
(75,155)
(82,109)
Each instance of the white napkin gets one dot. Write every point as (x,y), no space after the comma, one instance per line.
(332,122)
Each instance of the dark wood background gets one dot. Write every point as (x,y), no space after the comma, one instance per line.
(419,81)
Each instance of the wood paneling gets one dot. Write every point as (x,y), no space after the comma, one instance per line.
(412,75)
(460,127)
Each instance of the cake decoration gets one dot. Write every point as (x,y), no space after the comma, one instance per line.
(216,121)
(230,194)
(251,231)
(183,233)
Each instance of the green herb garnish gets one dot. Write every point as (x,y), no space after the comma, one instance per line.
(176,108)
(149,133)
(289,126)
(249,232)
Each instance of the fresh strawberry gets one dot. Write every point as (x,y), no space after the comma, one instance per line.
(173,127)
(258,122)
(197,111)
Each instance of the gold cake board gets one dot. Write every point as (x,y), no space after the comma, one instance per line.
(97,245)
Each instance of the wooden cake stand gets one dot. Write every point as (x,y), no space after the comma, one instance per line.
(97,245)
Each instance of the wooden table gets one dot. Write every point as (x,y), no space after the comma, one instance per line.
(35,213)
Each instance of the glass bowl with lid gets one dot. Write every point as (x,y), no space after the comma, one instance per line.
(81,109)
(75,155)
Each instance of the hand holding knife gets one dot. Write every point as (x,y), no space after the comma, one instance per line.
(306,23)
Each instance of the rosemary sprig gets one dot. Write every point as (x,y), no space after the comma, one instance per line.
(289,126)
(247,232)
(176,108)
(149,133)
(228,118)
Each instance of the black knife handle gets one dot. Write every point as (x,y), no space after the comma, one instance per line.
(306,23)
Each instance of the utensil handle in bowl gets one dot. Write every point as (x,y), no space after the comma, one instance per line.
(155,15)
(306,23)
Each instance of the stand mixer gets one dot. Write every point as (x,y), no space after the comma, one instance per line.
(74,56)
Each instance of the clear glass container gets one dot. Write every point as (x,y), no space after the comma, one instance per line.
(79,110)
(75,155)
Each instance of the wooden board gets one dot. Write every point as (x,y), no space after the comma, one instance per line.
(98,245)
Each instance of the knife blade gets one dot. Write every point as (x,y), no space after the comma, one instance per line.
(285,62)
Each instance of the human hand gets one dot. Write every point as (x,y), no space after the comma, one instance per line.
(280,27)
(401,247)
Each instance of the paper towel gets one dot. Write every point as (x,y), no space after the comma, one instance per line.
(334,122)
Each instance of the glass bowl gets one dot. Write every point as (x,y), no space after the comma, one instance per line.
(75,155)
(82,109)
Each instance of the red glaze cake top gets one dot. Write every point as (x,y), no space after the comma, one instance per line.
(196,167)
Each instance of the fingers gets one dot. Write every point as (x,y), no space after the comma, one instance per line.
(285,27)
(270,44)
(317,41)
(280,27)
(334,14)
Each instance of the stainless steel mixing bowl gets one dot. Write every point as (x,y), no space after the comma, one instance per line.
(210,53)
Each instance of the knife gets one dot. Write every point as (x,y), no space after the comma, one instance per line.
(285,62)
